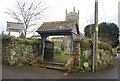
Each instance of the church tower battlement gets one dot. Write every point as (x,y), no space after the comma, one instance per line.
(72,16)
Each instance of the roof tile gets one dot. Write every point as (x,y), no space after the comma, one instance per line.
(56,25)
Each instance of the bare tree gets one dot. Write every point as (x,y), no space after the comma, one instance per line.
(27,12)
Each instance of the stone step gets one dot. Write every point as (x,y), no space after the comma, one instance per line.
(53,63)
(55,68)
(50,67)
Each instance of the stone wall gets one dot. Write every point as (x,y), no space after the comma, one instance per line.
(19,52)
(105,59)
(77,53)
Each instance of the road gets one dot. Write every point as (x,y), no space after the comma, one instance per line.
(27,72)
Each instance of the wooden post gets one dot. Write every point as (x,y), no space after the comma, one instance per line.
(9,33)
(2,32)
(43,38)
(71,48)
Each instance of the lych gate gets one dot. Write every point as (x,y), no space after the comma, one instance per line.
(69,28)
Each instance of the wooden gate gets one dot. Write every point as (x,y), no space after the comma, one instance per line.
(49,49)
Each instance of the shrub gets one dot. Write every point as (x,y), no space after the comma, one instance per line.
(78,67)
(57,50)
(6,38)
(105,46)
(85,44)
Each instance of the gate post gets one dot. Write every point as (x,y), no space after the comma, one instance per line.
(72,45)
(77,52)
(43,38)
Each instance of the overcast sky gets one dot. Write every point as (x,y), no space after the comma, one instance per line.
(108,11)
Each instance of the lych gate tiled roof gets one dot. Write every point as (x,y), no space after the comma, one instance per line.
(57,25)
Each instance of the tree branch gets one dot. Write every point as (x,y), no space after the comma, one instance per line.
(27,12)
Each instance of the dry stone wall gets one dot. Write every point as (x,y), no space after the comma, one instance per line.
(19,52)
(105,59)
(105,56)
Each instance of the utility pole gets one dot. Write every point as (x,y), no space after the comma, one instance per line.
(95,38)
(119,19)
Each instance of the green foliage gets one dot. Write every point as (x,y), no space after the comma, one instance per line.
(55,47)
(57,50)
(87,68)
(6,38)
(103,45)
(62,56)
(114,50)
(83,60)
(21,54)
(15,38)
(85,44)
(89,40)
(108,32)
(83,49)
(31,40)
(78,67)
(89,30)
(28,41)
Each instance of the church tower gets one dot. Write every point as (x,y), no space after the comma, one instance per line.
(67,41)
(72,16)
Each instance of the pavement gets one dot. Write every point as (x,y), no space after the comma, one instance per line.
(27,72)
(118,66)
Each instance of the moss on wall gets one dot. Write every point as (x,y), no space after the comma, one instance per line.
(17,51)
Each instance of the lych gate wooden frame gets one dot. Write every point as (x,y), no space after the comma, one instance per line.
(57,28)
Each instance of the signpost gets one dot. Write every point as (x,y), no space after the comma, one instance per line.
(14,27)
